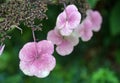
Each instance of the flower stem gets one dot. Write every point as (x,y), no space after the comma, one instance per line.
(34,38)
(33,33)
(65,11)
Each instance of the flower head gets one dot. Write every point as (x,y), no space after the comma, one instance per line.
(84,30)
(36,58)
(65,44)
(95,18)
(2,49)
(91,23)
(68,20)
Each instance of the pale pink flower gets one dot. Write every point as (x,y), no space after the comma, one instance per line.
(95,18)
(84,30)
(68,20)
(2,49)
(91,23)
(65,44)
(36,58)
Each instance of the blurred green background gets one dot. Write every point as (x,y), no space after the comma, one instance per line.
(95,61)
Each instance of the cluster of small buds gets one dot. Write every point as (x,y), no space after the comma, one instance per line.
(83,6)
(69,28)
(14,11)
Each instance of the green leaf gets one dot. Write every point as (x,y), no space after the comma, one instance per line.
(117,56)
(92,3)
(104,75)
(4,60)
(115,20)
(13,79)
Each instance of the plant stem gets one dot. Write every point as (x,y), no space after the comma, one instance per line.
(33,33)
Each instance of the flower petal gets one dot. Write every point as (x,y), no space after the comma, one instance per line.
(46,47)
(96,19)
(66,31)
(28,51)
(87,36)
(25,67)
(54,37)
(74,19)
(43,65)
(73,39)
(2,49)
(65,48)
(61,19)
(71,8)
(42,74)
(85,30)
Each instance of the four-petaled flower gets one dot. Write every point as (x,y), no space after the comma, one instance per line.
(65,44)
(68,20)
(91,23)
(95,18)
(36,58)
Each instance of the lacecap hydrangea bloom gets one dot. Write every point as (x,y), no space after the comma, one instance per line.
(65,45)
(68,20)
(36,58)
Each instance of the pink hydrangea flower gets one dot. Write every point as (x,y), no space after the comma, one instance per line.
(64,44)
(95,18)
(91,23)
(84,30)
(68,20)
(2,49)
(36,58)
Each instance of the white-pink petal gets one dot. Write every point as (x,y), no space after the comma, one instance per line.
(65,48)
(25,67)
(27,53)
(45,46)
(85,30)
(74,19)
(2,49)
(71,8)
(66,31)
(42,74)
(87,36)
(45,63)
(95,18)
(73,39)
(61,20)
(54,37)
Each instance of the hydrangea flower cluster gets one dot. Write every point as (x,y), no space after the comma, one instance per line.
(68,29)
